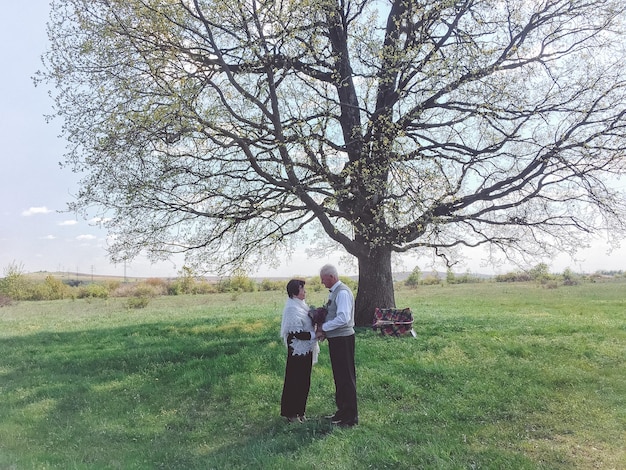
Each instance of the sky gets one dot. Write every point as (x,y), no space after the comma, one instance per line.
(36,231)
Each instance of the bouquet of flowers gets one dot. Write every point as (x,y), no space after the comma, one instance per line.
(317,315)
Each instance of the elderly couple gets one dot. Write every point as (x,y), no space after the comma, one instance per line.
(302,339)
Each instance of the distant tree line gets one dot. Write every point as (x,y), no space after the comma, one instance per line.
(16,285)
(539,273)
(19,286)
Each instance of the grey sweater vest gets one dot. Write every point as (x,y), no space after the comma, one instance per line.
(332,313)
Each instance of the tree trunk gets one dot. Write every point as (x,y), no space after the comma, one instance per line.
(375,286)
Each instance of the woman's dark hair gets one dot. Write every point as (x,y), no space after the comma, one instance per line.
(293,287)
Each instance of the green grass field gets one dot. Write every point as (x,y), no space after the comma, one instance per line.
(500,376)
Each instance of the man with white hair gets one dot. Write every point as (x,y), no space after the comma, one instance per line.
(338,328)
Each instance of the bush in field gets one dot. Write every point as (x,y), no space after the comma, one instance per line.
(5,301)
(414,278)
(268,285)
(204,287)
(51,289)
(174,288)
(569,277)
(139,294)
(431,280)
(137,302)
(265,285)
(313,284)
(96,291)
(190,286)
(157,283)
(56,289)
(237,283)
(185,281)
(541,274)
(243,283)
(538,273)
(466,278)
(112,286)
(141,289)
(145,290)
(122,290)
(517,276)
(15,284)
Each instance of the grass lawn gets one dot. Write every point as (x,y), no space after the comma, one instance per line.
(500,376)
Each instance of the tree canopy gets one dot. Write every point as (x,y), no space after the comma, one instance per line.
(226,128)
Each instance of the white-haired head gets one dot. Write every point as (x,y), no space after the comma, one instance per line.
(329,270)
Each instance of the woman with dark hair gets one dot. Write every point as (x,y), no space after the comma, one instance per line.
(302,349)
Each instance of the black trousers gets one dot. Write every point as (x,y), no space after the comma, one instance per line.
(341,350)
(297,384)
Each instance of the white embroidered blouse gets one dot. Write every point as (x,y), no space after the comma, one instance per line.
(296,319)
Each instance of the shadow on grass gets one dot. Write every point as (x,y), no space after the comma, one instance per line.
(195,395)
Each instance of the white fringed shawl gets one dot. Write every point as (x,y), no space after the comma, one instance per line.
(295,319)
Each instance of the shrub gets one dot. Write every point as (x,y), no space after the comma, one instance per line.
(137,302)
(569,278)
(539,272)
(414,278)
(55,288)
(112,286)
(157,283)
(123,290)
(188,283)
(145,290)
(243,283)
(516,276)
(237,283)
(313,284)
(269,285)
(97,291)
(38,292)
(431,280)
(141,289)
(15,284)
(204,287)
(466,278)
(185,281)
(174,288)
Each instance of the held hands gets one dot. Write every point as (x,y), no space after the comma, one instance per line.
(319,334)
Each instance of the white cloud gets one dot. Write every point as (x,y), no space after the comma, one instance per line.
(67,223)
(86,237)
(35,211)
(49,237)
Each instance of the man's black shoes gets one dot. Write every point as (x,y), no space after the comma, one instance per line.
(344,423)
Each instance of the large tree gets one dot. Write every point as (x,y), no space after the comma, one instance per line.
(225,129)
